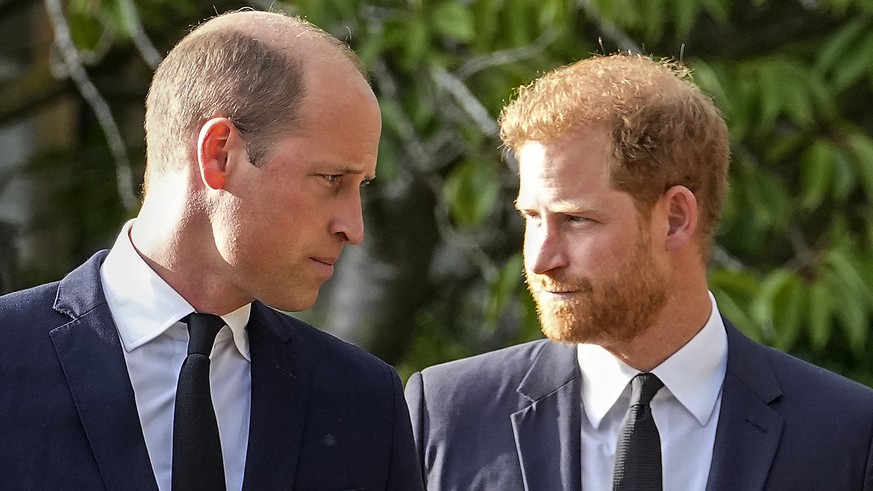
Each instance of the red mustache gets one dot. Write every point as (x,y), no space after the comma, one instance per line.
(545,283)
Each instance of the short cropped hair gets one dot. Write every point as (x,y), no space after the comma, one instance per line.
(664,130)
(228,73)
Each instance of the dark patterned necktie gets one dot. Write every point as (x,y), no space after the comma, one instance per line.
(638,455)
(197,462)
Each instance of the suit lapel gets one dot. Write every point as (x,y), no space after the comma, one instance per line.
(279,398)
(749,431)
(547,431)
(90,355)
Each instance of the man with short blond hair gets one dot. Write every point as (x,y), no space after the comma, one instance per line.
(164,364)
(641,384)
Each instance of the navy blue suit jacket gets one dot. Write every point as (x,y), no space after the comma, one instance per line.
(510,420)
(324,414)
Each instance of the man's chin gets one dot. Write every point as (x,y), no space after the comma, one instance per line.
(570,333)
(293,303)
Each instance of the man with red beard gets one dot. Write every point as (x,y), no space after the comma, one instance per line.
(641,384)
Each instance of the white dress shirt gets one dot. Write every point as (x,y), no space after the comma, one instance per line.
(147,311)
(686,410)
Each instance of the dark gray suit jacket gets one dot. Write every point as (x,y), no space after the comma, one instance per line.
(325,414)
(510,420)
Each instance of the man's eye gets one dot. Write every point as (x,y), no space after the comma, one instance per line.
(333,178)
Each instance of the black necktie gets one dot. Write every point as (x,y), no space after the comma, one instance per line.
(197,463)
(638,456)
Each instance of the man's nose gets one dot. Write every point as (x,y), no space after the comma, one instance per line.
(544,249)
(349,223)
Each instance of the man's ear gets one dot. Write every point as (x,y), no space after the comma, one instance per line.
(681,206)
(215,144)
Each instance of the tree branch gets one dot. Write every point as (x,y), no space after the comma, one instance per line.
(140,39)
(75,70)
(507,56)
(465,99)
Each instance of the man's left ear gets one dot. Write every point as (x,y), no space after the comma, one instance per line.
(681,206)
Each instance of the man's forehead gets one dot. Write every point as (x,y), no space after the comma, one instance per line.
(539,161)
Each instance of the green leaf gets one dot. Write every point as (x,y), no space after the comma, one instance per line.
(845,177)
(518,26)
(821,313)
(710,82)
(732,307)
(486,24)
(371,47)
(746,94)
(855,298)
(766,309)
(685,13)
(861,147)
(393,116)
(767,198)
(796,97)
(503,288)
(720,10)
(771,86)
(789,307)
(853,68)
(817,171)
(652,18)
(471,191)
(417,43)
(833,53)
(389,160)
(823,98)
(454,21)
(854,322)
(735,283)
(842,265)
(86,30)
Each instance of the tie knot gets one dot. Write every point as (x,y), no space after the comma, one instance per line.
(202,329)
(644,387)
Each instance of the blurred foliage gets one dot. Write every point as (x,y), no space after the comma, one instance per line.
(793,265)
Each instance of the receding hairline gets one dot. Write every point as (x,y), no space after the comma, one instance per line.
(296,37)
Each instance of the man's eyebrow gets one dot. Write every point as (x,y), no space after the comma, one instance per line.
(345,169)
(561,206)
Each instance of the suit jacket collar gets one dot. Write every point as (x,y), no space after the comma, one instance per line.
(280,381)
(749,430)
(747,437)
(90,356)
(547,428)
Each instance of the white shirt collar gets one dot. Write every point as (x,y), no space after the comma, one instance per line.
(144,306)
(693,374)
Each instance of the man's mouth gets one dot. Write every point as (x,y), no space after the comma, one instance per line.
(330,261)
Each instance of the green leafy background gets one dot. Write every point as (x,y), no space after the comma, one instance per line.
(440,274)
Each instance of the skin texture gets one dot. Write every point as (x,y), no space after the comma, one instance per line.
(600,270)
(223,232)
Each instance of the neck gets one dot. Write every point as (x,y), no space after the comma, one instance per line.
(175,239)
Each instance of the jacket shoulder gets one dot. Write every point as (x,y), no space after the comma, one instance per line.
(498,363)
(329,354)
(26,308)
(799,378)
(494,377)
